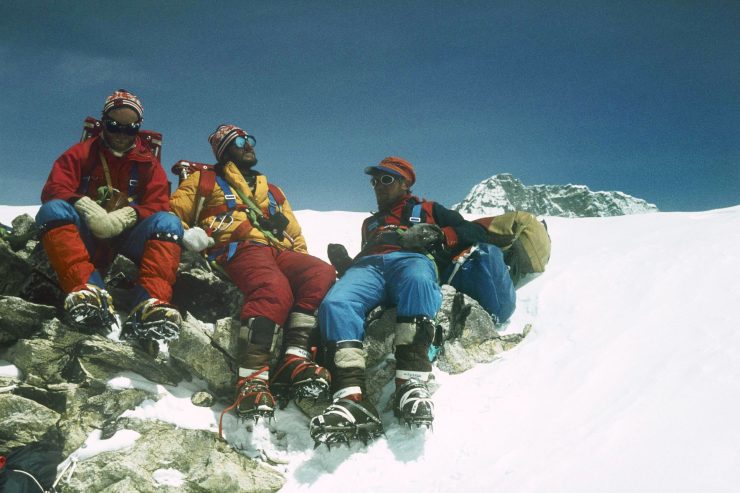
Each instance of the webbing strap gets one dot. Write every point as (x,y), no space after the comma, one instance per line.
(230,250)
(228,193)
(415,216)
(273,207)
(133,183)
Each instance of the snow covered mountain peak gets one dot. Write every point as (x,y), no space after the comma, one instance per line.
(503,192)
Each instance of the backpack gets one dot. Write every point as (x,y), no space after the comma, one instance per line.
(30,469)
(207,182)
(482,274)
(523,239)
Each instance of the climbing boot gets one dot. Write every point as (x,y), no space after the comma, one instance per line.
(412,404)
(253,398)
(150,322)
(90,309)
(344,421)
(298,377)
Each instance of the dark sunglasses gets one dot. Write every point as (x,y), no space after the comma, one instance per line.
(384,180)
(242,142)
(115,127)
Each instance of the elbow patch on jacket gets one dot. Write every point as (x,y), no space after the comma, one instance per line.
(450,237)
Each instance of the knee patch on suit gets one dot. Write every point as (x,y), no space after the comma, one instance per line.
(348,368)
(260,332)
(418,331)
(298,330)
(258,339)
(350,357)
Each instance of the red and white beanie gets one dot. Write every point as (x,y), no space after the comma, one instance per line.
(222,137)
(121,98)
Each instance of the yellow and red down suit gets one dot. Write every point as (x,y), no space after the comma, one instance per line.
(276,276)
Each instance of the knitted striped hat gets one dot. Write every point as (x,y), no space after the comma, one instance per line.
(395,166)
(222,137)
(121,98)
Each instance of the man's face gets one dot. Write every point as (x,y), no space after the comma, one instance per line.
(121,118)
(244,156)
(388,188)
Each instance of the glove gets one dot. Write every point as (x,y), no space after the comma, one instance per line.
(421,238)
(103,224)
(94,216)
(339,258)
(196,240)
(120,220)
(275,224)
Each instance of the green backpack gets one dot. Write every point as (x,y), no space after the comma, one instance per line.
(523,239)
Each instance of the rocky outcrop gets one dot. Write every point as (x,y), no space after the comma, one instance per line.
(63,392)
(502,193)
(165,458)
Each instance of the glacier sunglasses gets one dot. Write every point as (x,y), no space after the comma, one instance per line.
(384,180)
(115,127)
(242,142)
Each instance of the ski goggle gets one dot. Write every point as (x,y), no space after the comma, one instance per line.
(242,142)
(115,127)
(384,180)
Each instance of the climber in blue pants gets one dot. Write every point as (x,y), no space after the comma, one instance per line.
(394,268)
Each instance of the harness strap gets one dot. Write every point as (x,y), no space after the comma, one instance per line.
(415,216)
(229,249)
(273,207)
(206,182)
(277,198)
(133,184)
(228,193)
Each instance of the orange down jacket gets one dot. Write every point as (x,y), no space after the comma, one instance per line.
(239,227)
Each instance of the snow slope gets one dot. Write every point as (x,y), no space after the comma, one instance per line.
(629,381)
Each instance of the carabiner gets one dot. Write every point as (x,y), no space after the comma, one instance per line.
(222,222)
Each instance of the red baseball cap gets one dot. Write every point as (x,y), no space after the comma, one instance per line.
(395,166)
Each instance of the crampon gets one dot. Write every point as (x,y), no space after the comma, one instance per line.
(150,322)
(300,378)
(345,421)
(90,310)
(413,405)
(253,401)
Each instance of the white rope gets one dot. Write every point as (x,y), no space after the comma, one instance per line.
(32,477)
(69,468)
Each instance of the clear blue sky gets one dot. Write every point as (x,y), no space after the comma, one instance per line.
(640,96)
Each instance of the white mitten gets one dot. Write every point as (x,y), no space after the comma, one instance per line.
(120,220)
(94,216)
(196,240)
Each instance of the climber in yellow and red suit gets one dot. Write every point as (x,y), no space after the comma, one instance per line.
(109,195)
(257,240)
